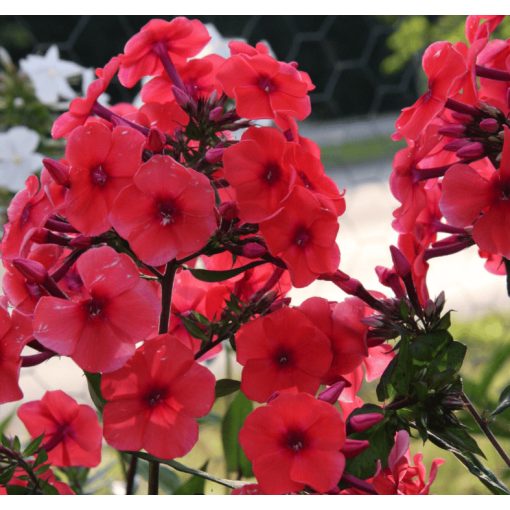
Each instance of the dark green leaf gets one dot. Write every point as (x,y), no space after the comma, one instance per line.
(17,490)
(226,387)
(42,457)
(458,438)
(195,485)
(455,356)
(33,446)
(485,475)
(426,347)
(94,385)
(6,475)
(234,418)
(219,276)
(504,401)
(403,373)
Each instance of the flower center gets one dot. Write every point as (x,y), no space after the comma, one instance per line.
(166,213)
(266,84)
(98,176)
(95,308)
(301,237)
(283,358)
(272,173)
(155,397)
(295,440)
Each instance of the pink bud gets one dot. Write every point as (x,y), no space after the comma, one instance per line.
(181,97)
(156,140)
(353,447)
(389,278)
(81,241)
(361,422)
(229,211)
(32,270)
(471,151)
(216,114)
(333,392)
(489,125)
(463,118)
(456,145)
(214,155)
(453,130)
(58,171)
(253,250)
(400,262)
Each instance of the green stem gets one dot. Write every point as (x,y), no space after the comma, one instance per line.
(153,478)
(484,427)
(130,475)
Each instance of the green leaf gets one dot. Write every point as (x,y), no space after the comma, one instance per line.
(42,457)
(226,387)
(455,355)
(485,475)
(33,446)
(195,485)
(17,490)
(403,373)
(504,401)
(426,347)
(94,385)
(219,276)
(458,438)
(383,387)
(234,418)
(7,474)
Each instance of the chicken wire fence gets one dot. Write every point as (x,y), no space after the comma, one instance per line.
(354,101)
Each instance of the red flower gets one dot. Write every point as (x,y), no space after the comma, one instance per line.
(479,197)
(294,442)
(341,323)
(22,294)
(153,401)
(445,67)
(281,350)
(28,209)
(80,108)
(182,38)
(100,331)
(258,171)
(72,434)
(167,213)
(303,234)
(15,331)
(400,477)
(263,87)
(102,164)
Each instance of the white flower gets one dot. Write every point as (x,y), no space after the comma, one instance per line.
(18,158)
(49,75)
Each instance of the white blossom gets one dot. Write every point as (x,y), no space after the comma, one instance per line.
(49,75)
(18,158)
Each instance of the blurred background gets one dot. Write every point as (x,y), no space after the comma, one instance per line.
(365,68)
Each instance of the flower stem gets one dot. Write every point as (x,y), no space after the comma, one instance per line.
(484,427)
(130,476)
(167,284)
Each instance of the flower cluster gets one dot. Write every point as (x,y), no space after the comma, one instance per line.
(172,231)
(453,176)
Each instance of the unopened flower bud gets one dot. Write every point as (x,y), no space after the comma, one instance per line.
(361,422)
(80,242)
(463,118)
(253,250)
(156,140)
(214,155)
(32,270)
(389,278)
(216,114)
(181,97)
(333,392)
(471,151)
(489,125)
(400,262)
(456,145)
(229,211)
(353,447)
(58,171)
(453,130)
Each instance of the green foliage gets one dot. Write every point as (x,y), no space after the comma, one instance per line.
(94,385)
(235,458)
(226,387)
(206,275)
(195,485)
(504,401)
